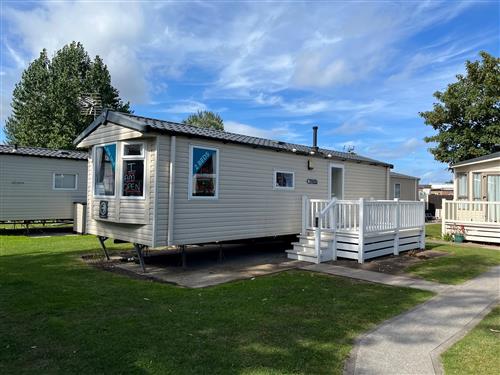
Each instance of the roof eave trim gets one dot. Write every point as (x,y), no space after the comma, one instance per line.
(110,116)
(303,153)
(466,163)
(101,119)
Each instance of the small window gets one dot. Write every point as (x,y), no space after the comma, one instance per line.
(284,180)
(397,190)
(133,170)
(204,173)
(104,170)
(134,149)
(477,194)
(462,185)
(65,181)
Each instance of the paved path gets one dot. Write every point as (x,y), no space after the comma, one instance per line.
(377,277)
(412,342)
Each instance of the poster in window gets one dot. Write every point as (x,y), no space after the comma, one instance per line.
(133,178)
(203,172)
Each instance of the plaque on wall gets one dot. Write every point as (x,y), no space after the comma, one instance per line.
(312,181)
(103,209)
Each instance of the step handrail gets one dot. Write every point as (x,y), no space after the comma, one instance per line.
(318,226)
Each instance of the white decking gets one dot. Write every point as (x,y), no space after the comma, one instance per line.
(358,229)
(481,220)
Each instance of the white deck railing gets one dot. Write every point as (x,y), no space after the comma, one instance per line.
(471,211)
(363,218)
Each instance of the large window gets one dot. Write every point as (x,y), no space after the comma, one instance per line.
(65,181)
(133,170)
(284,180)
(477,193)
(397,190)
(204,172)
(104,170)
(462,185)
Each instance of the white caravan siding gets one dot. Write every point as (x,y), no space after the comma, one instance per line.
(487,167)
(26,187)
(109,133)
(248,206)
(409,188)
(128,219)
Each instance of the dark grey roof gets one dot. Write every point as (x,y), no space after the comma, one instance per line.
(480,158)
(400,175)
(43,152)
(145,124)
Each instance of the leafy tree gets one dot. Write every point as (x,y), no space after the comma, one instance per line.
(205,119)
(467,115)
(45,103)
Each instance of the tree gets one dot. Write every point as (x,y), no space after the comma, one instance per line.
(45,109)
(467,115)
(205,119)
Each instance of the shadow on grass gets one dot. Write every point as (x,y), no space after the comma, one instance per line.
(65,317)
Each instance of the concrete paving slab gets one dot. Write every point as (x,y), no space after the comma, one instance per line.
(234,269)
(412,342)
(376,277)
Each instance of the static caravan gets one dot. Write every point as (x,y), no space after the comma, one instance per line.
(404,187)
(476,203)
(39,184)
(157,183)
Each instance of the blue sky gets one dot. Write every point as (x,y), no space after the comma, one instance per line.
(361,70)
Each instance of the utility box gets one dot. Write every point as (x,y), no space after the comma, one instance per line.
(80,217)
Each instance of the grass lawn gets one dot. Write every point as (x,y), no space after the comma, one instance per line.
(433,231)
(462,264)
(479,351)
(61,316)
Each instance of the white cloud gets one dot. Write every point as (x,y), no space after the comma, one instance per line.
(355,127)
(281,132)
(113,31)
(20,63)
(395,148)
(186,106)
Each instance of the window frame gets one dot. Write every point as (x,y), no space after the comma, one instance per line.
(142,157)
(397,183)
(481,190)
(283,188)
(94,150)
(190,173)
(64,189)
(466,195)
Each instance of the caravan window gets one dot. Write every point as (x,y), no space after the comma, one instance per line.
(64,181)
(204,172)
(104,170)
(133,170)
(477,193)
(462,185)
(397,190)
(284,180)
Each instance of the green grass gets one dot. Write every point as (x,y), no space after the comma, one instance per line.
(479,351)
(60,316)
(462,264)
(433,231)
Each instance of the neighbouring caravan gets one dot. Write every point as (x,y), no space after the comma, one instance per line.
(39,184)
(404,187)
(157,183)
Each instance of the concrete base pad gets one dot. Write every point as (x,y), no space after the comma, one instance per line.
(203,273)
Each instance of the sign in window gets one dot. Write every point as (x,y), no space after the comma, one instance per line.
(204,172)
